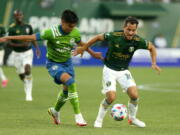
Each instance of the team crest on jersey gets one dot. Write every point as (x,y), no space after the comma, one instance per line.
(117,45)
(131,49)
(72,41)
(27,30)
(55,67)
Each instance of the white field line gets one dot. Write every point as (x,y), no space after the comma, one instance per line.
(160,87)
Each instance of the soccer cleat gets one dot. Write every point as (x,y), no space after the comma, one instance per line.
(29,98)
(80,120)
(98,124)
(55,115)
(136,122)
(4,83)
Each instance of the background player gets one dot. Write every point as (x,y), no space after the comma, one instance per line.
(3,78)
(22,52)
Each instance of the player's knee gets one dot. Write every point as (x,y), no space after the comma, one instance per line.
(134,97)
(27,69)
(111,96)
(64,78)
(69,81)
(22,76)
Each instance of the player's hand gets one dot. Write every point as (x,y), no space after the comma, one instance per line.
(3,39)
(78,50)
(38,53)
(157,68)
(98,55)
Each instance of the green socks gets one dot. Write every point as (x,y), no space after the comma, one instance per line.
(61,100)
(73,97)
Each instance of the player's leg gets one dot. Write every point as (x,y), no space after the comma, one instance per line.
(73,97)
(109,89)
(133,107)
(3,78)
(64,74)
(103,108)
(128,84)
(28,80)
(62,98)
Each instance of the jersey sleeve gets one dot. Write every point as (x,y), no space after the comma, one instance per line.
(107,35)
(143,44)
(77,36)
(31,30)
(45,34)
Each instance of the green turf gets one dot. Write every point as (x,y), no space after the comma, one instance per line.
(158,107)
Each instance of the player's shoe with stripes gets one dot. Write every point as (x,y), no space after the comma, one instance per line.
(55,115)
(136,122)
(80,120)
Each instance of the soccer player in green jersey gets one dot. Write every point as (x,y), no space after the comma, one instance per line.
(22,52)
(3,78)
(121,48)
(61,40)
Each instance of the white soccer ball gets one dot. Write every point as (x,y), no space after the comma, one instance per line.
(119,112)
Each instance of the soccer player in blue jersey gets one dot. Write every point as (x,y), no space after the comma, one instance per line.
(61,40)
(121,47)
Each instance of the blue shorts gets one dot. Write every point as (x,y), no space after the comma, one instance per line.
(56,69)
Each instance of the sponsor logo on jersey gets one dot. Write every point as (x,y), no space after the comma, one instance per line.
(72,41)
(55,67)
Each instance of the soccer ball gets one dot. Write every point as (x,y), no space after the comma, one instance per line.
(119,112)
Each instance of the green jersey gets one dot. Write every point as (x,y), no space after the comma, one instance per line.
(16,29)
(121,50)
(59,44)
(2,34)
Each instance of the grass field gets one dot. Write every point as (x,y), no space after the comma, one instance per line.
(159,104)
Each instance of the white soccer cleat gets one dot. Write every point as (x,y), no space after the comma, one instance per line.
(29,99)
(55,115)
(98,124)
(80,120)
(137,123)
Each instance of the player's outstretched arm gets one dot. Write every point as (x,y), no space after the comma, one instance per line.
(23,37)
(153,53)
(80,50)
(97,55)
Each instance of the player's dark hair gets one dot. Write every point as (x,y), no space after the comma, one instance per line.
(131,20)
(69,16)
